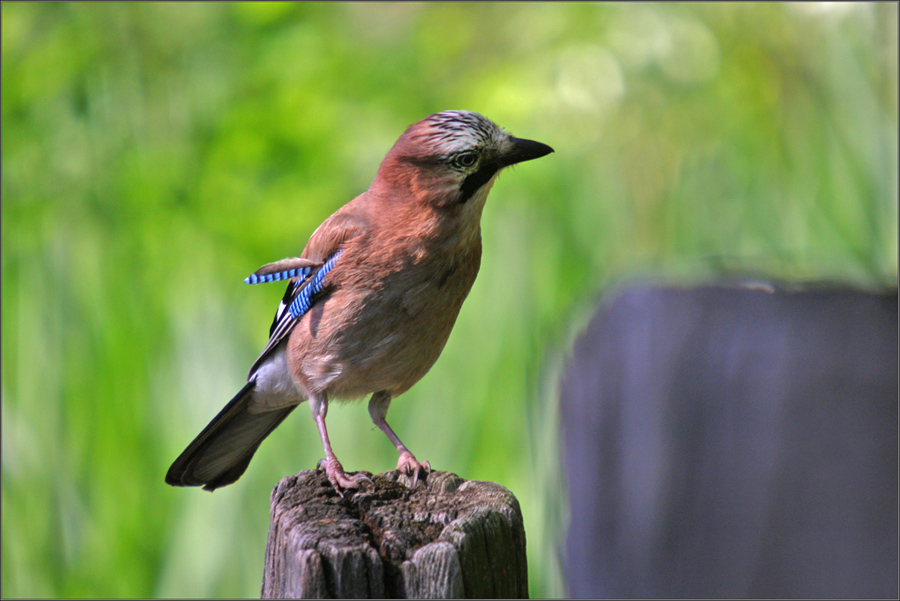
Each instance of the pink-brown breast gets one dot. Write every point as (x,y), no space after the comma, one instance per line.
(391,304)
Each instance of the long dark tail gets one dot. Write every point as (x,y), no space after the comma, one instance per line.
(221,453)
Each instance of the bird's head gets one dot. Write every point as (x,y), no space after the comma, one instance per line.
(452,158)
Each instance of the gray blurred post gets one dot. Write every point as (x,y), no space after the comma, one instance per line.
(734,442)
(448,538)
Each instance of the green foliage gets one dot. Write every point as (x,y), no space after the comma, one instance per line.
(155,154)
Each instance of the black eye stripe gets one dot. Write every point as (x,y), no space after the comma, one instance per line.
(477,179)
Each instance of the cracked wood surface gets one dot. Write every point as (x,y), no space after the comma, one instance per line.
(448,538)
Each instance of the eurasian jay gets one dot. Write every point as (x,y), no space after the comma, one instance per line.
(371,300)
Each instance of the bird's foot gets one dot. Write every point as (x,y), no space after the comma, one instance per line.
(408,464)
(339,478)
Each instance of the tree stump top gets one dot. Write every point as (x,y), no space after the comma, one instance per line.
(448,537)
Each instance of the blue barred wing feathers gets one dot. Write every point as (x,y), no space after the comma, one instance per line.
(285,269)
(299,297)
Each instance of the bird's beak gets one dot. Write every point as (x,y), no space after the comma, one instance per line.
(523,150)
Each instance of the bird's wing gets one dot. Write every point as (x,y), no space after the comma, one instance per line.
(307,276)
(294,267)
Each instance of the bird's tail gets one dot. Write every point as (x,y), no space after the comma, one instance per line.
(221,453)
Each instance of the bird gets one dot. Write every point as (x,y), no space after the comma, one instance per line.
(370,301)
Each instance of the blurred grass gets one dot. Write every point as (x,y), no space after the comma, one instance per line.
(155,154)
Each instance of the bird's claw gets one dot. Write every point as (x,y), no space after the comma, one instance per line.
(409,464)
(339,478)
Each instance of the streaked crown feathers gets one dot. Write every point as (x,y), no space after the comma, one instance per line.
(449,132)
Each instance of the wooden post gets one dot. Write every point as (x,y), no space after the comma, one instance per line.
(448,538)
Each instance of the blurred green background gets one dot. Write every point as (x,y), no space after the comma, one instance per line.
(156,154)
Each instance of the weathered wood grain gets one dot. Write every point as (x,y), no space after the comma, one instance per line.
(448,538)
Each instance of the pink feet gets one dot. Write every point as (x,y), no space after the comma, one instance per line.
(338,477)
(407,464)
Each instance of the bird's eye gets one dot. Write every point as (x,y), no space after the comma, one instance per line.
(465,159)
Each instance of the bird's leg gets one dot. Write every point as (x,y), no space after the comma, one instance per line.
(333,468)
(378,408)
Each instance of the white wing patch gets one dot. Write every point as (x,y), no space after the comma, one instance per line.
(275,388)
